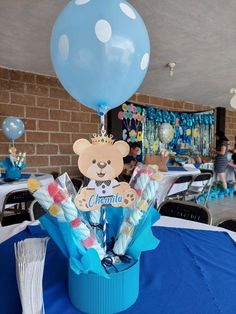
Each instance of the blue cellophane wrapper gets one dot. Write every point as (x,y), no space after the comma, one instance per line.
(91,289)
(80,260)
(144,239)
(87,261)
(12,172)
(95,294)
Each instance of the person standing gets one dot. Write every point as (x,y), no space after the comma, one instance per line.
(221,161)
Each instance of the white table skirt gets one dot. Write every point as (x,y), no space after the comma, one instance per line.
(9,231)
(15,185)
(168,179)
(187,224)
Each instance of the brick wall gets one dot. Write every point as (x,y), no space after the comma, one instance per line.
(53,120)
(169,104)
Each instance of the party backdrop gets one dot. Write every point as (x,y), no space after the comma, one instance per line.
(192,131)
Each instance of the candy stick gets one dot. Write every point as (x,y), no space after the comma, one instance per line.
(40,194)
(94,220)
(104,228)
(71,215)
(47,202)
(18,158)
(124,238)
(141,183)
(95,216)
(137,211)
(21,160)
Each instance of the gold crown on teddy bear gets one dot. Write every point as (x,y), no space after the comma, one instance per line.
(103,138)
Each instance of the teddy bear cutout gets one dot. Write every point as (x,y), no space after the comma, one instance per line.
(102,161)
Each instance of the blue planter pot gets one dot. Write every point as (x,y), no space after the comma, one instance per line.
(94,294)
(13,173)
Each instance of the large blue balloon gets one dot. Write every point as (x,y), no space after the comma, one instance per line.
(100,51)
(13,128)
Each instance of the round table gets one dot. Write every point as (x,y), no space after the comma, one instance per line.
(6,187)
(168,179)
(191,271)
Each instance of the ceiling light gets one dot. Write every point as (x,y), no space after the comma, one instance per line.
(171,66)
(233,99)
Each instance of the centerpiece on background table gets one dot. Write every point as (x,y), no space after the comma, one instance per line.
(100,52)
(13,128)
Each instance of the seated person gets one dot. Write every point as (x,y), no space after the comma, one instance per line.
(130,161)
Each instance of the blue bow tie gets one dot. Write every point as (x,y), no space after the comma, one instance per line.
(107,182)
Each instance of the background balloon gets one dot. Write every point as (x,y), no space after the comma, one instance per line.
(13,128)
(166,133)
(100,51)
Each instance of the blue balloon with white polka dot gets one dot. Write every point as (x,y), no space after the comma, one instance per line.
(13,128)
(100,51)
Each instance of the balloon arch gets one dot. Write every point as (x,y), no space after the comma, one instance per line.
(178,131)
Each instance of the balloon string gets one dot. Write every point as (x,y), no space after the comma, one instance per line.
(102,122)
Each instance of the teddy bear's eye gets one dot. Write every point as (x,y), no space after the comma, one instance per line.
(109,162)
(94,161)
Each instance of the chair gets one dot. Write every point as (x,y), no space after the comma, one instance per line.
(179,187)
(227,223)
(55,174)
(16,204)
(36,210)
(185,210)
(199,188)
(207,171)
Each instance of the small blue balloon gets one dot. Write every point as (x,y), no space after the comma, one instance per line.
(100,51)
(13,128)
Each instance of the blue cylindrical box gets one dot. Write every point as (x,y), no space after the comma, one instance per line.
(94,294)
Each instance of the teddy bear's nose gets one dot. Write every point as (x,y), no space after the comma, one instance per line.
(101,164)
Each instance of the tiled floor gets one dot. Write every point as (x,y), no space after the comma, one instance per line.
(222,208)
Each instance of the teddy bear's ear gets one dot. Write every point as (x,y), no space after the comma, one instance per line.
(123,147)
(80,145)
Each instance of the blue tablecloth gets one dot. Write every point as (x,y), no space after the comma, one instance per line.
(24,176)
(176,168)
(191,271)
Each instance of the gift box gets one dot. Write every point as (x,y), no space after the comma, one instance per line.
(159,160)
